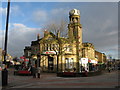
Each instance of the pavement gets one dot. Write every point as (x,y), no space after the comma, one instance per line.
(50,80)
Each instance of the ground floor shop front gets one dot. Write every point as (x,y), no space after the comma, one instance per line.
(49,63)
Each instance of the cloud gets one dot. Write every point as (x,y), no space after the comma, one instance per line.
(18,25)
(52,16)
(40,16)
(59,14)
(20,36)
(14,10)
(2,32)
(3,11)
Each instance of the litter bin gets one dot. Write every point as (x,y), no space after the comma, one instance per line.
(4,77)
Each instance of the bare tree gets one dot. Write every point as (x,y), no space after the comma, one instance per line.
(60,27)
(57,27)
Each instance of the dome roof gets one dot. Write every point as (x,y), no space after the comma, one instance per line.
(74,12)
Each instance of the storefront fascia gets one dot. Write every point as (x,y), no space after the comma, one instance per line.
(85,62)
(49,52)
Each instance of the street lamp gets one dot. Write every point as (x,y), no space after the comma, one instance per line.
(6,34)
(5,72)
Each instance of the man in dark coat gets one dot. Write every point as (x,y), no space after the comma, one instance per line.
(34,71)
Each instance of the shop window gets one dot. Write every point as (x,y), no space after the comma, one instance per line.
(69,63)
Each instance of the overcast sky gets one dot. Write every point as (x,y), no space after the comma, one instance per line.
(99,22)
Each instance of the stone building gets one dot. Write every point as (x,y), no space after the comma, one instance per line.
(101,57)
(54,53)
(1,56)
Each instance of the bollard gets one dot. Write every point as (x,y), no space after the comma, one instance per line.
(4,77)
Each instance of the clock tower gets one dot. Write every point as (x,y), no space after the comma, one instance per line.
(74,26)
(75,34)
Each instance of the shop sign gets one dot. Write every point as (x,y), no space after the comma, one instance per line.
(84,60)
(92,61)
(26,60)
(49,52)
(89,61)
(96,62)
(22,57)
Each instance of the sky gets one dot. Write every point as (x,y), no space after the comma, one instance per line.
(63,0)
(99,23)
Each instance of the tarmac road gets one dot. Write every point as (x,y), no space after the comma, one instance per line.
(50,80)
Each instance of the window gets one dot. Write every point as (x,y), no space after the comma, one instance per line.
(51,47)
(69,63)
(47,47)
(70,48)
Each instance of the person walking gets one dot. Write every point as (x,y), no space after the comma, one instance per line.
(38,72)
(74,69)
(34,71)
(109,69)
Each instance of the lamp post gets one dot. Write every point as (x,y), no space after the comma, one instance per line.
(6,33)
(5,72)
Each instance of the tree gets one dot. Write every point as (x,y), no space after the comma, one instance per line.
(55,28)
(58,31)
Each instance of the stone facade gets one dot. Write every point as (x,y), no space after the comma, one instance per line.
(0,54)
(101,57)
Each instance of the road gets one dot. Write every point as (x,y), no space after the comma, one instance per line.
(50,80)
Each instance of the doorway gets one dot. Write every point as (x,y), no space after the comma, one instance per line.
(50,63)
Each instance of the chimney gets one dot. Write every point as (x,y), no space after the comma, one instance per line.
(45,33)
(58,33)
(38,36)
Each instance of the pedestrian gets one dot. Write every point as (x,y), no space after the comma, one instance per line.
(86,73)
(74,69)
(30,69)
(38,72)
(109,69)
(34,71)
(83,69)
